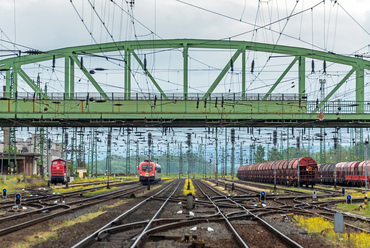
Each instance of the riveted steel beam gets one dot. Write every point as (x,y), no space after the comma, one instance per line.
(222,74)
(149,75)
(280,78)
(29,81)
(88,75)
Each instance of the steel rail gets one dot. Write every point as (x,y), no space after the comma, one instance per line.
(27,200)
(70,209)
(103,234)
(236,234)
(86,240)
(153,218)
(53,207)
(288,241)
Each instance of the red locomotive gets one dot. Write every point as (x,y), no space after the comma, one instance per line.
(348,173)
(59,172)
(149,170)
(285,172)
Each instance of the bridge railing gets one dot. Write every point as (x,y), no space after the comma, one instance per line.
(119,96)
(339,107)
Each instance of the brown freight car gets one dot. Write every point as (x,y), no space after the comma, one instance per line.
(286,173)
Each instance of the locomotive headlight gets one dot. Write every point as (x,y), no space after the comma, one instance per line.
(141,174)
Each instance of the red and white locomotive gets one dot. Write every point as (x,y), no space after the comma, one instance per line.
(149,170)
(59,172)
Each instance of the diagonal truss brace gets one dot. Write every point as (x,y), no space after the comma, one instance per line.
(222,74)
(334,90)
(92,80)
(149,75)
(280,78)
(31,83)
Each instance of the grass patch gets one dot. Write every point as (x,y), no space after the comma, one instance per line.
(118,203)
(355,195)
(308,191)
(41,237)
(325,228)
(101,178)
(351,208)
(99,191)
(71,189)
(186,191)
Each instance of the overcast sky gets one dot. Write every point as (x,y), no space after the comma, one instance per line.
(47,25)
(322,25)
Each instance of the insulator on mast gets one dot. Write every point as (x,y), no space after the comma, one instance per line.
(189,139)
(313,67)
(53,61)
(144,62)
(252,67)
(232,135)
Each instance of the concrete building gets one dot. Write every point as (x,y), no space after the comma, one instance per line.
(26,155)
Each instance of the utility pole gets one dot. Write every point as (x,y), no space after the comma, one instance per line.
(298,141)
(189,145)
(181,161)
(225,157)
(137,155)
(109,152)
(168,158)
(287,156)
(275,151)
(128,162)
(205,159)
(216,174)
(149,145)
(96,153)
(335,161)
(232,157)
(366,146)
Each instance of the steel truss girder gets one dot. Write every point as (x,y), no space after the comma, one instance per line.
(71,54)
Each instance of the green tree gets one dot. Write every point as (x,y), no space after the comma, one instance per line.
(271,155)
(259,154)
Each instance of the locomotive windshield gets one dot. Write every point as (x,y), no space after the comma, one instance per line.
(146,167)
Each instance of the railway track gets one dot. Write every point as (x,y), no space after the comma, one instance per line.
(35,198)
(17,222)
(116,226)
(241,241)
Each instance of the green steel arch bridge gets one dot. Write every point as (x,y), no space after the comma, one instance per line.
(38,108)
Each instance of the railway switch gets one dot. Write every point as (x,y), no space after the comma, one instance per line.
(349,199)
(343,191)
(4,193)
(263,197)
(18,199)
